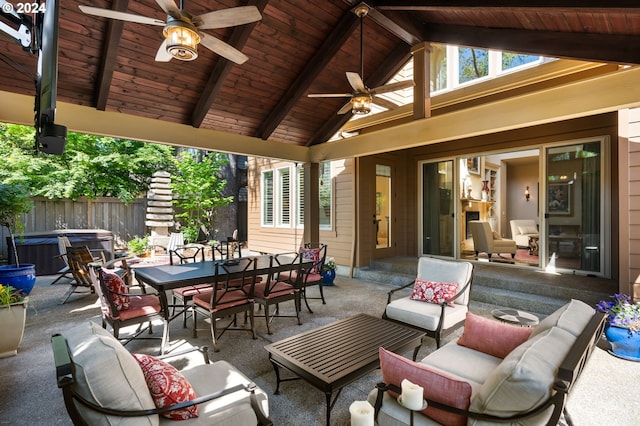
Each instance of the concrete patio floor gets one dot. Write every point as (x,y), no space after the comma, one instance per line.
(607,393)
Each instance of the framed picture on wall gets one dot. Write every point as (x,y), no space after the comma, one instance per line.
(559,199)
(473,165)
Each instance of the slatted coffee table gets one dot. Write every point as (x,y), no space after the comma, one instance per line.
(337,354)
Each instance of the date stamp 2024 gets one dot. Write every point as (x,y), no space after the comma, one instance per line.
(24,8)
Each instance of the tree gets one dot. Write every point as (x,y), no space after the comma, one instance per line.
(91,166)
(199,190)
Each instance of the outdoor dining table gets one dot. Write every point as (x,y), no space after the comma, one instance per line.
(164,278)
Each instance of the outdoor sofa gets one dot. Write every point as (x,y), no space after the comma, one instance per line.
(104,384)
(495,373)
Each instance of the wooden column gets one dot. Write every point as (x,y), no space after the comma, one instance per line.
(311,203)
(422,79)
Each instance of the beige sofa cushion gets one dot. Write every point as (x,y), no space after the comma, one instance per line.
(524,379)
(572,317)
(108,375)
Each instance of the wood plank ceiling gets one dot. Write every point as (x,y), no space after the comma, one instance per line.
(299,47)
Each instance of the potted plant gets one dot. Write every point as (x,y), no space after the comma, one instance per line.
(622,325)
(15,201)
(328,271)
(13,313)
(139,246)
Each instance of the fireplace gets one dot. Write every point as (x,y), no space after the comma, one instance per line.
(470,215)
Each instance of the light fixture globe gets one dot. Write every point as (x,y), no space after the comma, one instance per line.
(361,103)
(182,39)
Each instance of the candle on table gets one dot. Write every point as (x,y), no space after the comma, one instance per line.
(412,395)
(361,413)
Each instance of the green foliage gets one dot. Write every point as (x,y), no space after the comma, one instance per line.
(91,166)
(199,189)
(138,245)
(14,201)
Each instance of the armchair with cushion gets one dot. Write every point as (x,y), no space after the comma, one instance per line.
(522,229)
(487,241)
(103,384)
(439,301)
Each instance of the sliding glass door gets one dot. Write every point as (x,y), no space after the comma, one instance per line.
(437,208)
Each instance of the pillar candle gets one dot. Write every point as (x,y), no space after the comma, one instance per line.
(361,413)
(412,395)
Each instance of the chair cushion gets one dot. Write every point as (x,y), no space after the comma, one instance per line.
(492,337)
(167,386)
(115,284)
(433,291)
(425,315)
(524,379)
(572,317)
(277,289)
(528,229)
(189,291)
(437,386)
(107,375)
(147,304)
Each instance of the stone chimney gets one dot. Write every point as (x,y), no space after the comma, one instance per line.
(159,209)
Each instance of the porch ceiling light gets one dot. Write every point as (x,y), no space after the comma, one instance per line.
(182,39)
(361,103)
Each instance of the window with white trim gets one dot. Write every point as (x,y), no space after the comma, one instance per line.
(300,196)
(284,197)
(267,198)
(326,195)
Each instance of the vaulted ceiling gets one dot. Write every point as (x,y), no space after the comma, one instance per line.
(299,47)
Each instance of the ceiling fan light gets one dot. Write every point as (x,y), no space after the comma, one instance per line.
(361,104)
(182,40)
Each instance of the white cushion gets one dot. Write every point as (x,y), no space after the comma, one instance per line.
(572,317)
(108,375)
(523,380)
(528,229)
(425,315)
(232,409)
(446,271)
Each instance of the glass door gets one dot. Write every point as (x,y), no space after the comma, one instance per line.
(573,207)
(437,209)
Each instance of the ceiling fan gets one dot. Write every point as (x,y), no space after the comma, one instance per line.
(363,97)
(183,32)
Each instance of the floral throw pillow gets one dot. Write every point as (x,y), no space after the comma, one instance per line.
(314,255)
(433,291)
(167,387)
(115,284)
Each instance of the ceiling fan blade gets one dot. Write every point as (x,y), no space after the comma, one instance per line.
(223,49)
(356,82)
(392,87)
(345,109)
(384,103)
(113,14)
(170,8)
(162,55)
(329,95)
(227,17)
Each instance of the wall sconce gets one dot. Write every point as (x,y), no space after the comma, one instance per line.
(527,194)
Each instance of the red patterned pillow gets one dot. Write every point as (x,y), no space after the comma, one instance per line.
(114,283)
(437,386)
(314,255)
(167,387)
(433,291)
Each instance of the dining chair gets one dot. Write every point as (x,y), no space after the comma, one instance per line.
(231,293)
(273,290)
(121,308)
(309,276)
(65,272)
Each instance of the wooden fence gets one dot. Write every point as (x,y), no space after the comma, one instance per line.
(124,220)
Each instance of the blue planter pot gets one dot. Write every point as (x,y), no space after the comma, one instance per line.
(22,278)
(328,277)
(623,344)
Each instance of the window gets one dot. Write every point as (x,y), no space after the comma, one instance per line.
(472,64)
(267,198)
(300,196)
(514,60)
(284,197)
(326,195)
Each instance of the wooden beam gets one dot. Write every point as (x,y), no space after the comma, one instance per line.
(238,39)
(108,58)
(591,5)
(403,30)
(390,67)
(331,45)
(588,47)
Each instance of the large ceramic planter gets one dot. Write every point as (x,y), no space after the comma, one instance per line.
(12,320)
(623,344)
(328,277)
(21,278)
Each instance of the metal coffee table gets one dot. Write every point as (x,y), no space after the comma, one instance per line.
(337,354)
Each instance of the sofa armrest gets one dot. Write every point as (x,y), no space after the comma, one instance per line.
(391,293)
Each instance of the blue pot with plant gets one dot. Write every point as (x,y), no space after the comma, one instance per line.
(622,326)
(328,272)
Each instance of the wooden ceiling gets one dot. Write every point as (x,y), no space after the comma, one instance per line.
(299,47)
